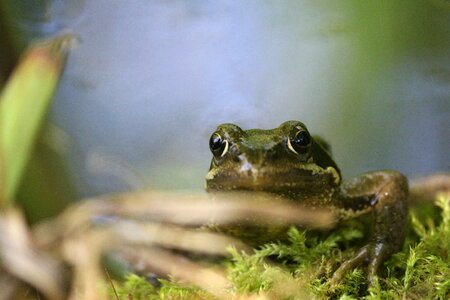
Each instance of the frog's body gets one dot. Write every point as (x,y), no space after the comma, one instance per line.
(287,161)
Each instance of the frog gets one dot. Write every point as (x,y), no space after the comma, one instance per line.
(289,162)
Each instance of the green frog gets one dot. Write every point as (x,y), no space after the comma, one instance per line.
(287,161)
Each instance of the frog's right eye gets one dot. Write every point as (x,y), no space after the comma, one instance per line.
(218,145)
(299,141)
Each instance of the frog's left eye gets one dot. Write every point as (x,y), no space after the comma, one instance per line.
(218,145)
(299,141)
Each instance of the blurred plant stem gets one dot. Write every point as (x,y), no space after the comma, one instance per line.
(23,105)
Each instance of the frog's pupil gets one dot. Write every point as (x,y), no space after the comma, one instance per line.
(301,139)
(215,142)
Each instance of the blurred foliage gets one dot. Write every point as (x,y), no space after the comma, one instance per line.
(387,39)
(300,268)
(385,33)
(23,105)
(45,189)
(37,181)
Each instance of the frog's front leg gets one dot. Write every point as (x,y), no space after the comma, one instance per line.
(385,195)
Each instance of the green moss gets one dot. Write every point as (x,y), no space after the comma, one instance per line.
(174,290)
(302,266)
(136,286)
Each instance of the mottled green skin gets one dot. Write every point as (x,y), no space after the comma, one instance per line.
(264,160)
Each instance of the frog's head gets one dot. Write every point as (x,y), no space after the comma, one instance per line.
(281,160)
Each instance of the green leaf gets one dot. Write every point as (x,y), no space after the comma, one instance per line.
(23,105)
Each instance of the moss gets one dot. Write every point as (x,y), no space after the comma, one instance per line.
(302,266)
(174,290)
(135,286)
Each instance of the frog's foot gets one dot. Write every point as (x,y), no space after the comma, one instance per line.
(371,255)
(385,195)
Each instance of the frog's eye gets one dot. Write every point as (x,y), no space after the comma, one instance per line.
(299,141)
(218,145)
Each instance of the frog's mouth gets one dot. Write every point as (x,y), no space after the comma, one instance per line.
(272,180)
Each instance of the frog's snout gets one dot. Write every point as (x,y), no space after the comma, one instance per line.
(249,163)
(254,165)
(246,166)
(254,159)
(249,171)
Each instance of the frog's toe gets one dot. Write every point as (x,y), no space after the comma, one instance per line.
(380,252)
(371,255)
(350,264)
